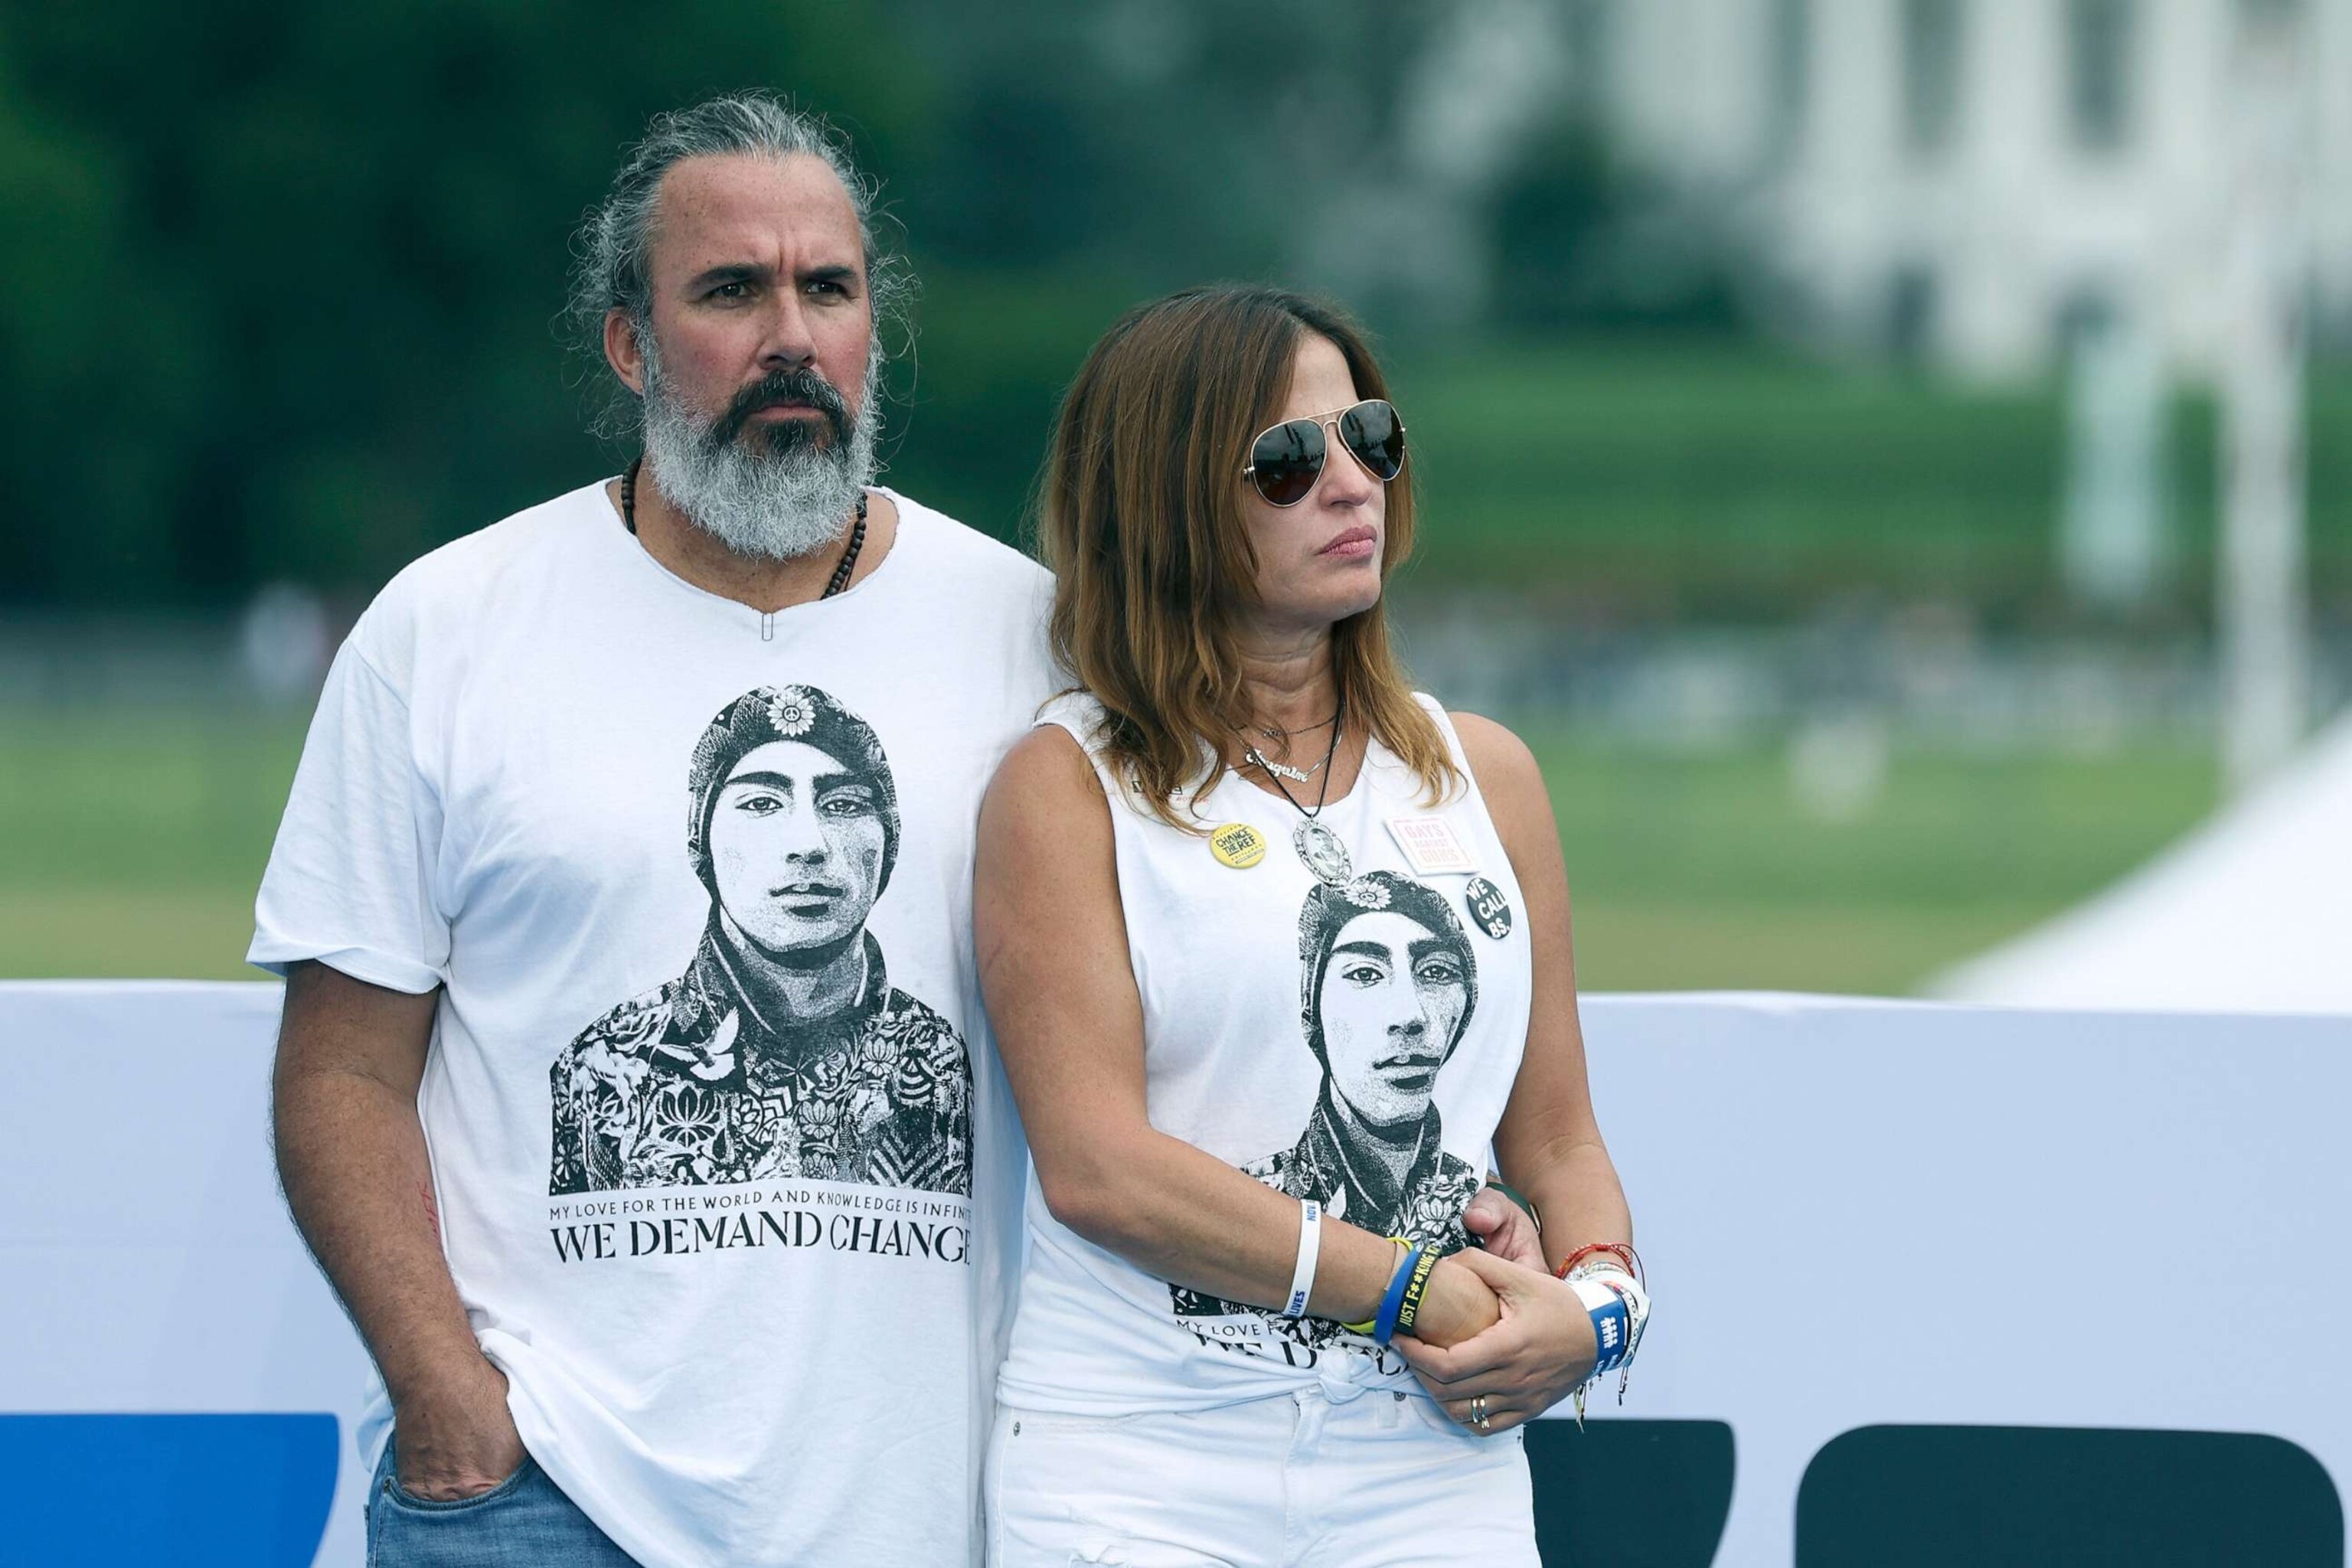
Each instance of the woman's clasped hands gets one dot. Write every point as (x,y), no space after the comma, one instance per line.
(1538,1351)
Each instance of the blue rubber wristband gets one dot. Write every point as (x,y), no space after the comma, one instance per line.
(1384,1325)
(1612,1328)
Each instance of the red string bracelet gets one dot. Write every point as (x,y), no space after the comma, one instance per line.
(1623,1250)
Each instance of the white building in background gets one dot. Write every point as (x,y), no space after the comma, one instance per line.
(1971,180)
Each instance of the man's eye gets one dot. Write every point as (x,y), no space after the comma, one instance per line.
(760,804)
(1441,972)
(737,291)
(1362,973)
(846,805)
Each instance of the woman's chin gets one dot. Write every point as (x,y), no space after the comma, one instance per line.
(1329,609)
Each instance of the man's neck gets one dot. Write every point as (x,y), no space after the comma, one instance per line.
(1393,1150)
(694,556)
(783,997)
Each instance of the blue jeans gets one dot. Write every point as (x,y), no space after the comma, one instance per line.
(524,1522)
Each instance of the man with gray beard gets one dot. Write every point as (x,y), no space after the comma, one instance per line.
(676,1223)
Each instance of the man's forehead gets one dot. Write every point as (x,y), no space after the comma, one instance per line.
(1385,928)
(788,759)
(738,208)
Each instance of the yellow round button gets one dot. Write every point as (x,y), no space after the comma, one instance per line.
(1238,844)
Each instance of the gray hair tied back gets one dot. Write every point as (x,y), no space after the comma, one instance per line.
(612,248)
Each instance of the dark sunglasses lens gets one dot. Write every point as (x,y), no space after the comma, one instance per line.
(1374,434)
(1285,460)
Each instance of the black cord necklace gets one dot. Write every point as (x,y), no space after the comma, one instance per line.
(1271,733)
(841,573)
(1319,847)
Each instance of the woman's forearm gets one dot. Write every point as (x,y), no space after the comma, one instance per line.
(1183,1215)
(1175,1211)
(1575,1190)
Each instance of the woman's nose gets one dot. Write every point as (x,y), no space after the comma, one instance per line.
(1345,482)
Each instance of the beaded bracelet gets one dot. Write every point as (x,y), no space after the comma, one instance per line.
(1623,1250)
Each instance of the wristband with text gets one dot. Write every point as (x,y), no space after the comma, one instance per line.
(1384,1326)
(1416,1289)
(1310,1249)
(1613,1322)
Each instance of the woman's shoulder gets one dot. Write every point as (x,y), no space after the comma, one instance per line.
(1509,781)
(1498,759)
(1050,773)
(1060,746)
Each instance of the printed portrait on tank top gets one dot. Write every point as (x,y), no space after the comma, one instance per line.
(1387,986)
(783,1050)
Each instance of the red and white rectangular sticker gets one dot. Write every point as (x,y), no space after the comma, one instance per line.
(1430,846)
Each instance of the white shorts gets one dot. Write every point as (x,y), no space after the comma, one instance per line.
(1377,1480)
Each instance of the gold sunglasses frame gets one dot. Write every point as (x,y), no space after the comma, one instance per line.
(1328,422)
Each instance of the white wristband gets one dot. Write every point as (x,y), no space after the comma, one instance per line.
(1310,1249)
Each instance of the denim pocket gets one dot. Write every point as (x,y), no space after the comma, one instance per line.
(400,1497)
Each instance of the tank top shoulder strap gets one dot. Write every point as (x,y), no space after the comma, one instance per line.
(1081,714)
(1453,738)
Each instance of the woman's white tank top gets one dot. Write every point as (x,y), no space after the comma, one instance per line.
(1350,1037)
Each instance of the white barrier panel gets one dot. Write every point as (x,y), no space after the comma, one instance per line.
(150,1263)
(1858,1213)
(1853,1213)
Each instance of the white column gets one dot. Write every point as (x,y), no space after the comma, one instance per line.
(2260,612)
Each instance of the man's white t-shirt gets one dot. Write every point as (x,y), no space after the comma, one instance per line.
(727,1174)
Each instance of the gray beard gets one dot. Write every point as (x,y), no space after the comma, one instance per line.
(762,504)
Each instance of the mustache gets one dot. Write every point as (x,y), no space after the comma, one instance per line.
(802,386)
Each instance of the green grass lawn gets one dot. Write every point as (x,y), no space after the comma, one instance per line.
(1701,872)
(134,841)
(1716,481)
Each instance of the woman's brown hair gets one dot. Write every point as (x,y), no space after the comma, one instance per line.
(1140,516)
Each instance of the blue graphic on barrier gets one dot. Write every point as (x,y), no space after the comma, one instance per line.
(198,1491)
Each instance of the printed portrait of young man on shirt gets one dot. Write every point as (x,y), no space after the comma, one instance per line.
(1387,987)
(782,1051)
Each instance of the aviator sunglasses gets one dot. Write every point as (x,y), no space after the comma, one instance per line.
(1285,461)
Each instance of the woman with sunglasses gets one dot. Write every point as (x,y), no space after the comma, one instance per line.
(1276,950)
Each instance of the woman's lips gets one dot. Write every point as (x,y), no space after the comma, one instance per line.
(1354,544)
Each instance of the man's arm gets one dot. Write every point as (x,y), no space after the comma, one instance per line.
(351,1158)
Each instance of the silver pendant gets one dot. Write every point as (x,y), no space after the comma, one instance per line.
(1321,851)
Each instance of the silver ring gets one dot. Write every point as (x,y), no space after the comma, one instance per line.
(1478,1413)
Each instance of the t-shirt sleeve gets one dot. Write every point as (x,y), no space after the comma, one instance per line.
(349,879)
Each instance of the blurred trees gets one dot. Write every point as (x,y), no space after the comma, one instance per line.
(282,279)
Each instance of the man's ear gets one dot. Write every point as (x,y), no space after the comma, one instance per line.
(622,353)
